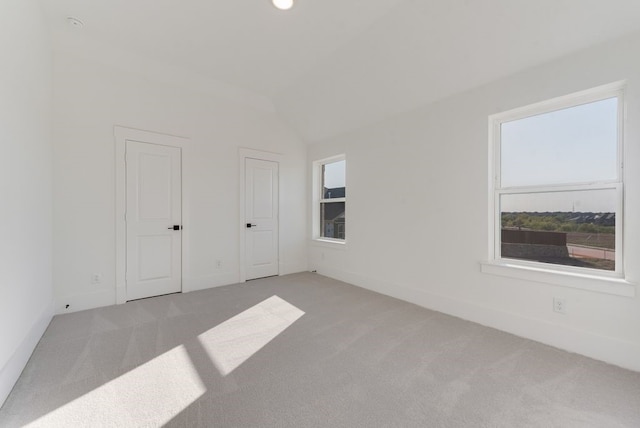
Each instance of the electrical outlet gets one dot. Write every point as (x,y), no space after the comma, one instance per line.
(96,278)
(560,305)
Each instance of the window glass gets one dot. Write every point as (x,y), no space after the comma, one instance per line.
(332,220)
(572,145)
(331,192)
(576,228)
(333,180)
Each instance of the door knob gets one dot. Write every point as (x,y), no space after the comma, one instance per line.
(175,227)
(249,225)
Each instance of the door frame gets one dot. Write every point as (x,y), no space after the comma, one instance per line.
(122,135)
(245,153)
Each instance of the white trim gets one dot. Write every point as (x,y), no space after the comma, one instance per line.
(211,281)
(243,154)
(500,266)
(612,350)
(520,190)
(622,115)
(10,372)
(330,200)
(122,135)
(611,90)
(87,300)
(316,198)
(564,278)
(338,244)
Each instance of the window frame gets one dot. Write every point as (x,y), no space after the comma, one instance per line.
(496,191)
(319,200)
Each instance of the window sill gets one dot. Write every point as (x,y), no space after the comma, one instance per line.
(329,243)
(599,284)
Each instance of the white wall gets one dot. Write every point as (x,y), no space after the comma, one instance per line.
(89,99)
(26,293)
(417,212)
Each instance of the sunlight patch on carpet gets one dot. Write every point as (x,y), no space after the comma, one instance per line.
(234,341)
(151,394)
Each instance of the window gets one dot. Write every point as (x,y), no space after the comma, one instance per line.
(557,183)
(330,199)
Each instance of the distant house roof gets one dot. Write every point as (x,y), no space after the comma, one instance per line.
(333,212)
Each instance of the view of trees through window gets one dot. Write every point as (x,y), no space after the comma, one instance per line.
(584,239)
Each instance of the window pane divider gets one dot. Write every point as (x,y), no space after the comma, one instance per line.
(327,201)
(559,188)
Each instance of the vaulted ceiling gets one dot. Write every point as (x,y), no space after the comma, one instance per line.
(329,66)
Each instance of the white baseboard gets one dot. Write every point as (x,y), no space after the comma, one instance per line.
(11,371)
(210,281)
(107,297)
(608,349)
(289,268)
(83,301)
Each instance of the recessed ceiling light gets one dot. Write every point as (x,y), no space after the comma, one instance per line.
(283,4)
(74,22)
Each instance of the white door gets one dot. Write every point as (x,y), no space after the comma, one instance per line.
(261,222)
(153,220)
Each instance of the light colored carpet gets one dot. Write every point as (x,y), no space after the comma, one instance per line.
(305,351)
